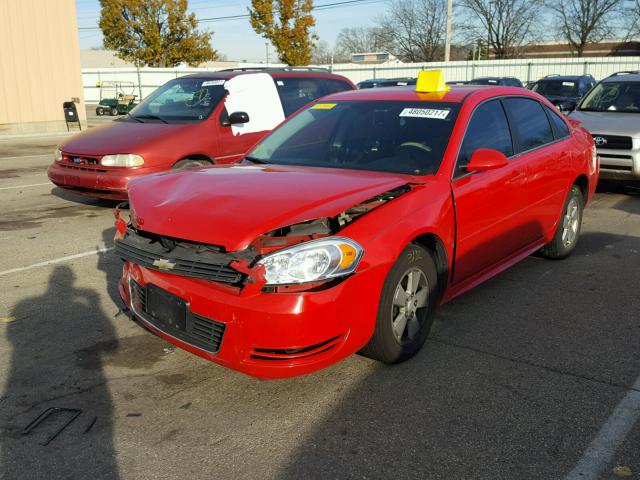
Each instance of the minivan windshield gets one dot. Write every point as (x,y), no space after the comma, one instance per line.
(560,88)
(182,100)
(387,136)
(614,96)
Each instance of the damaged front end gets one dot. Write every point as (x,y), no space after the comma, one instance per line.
(235,269)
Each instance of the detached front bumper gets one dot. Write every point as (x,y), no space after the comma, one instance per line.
(109,183)
(266,335)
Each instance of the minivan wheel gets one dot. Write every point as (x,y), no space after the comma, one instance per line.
(406,309)
(190,163)
(568,231)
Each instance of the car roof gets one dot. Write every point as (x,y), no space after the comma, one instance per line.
(227,75)
(571,78)
(623,77)
(457,94)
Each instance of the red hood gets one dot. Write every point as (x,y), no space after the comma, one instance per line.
(230,206)
(121,137)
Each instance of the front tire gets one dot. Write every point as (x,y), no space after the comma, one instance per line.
(568,232)
(114,111)
(99,111)
(406,309)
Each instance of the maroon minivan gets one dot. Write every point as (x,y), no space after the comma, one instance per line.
(195,120)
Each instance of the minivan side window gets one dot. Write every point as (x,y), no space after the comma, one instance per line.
(488,128)
(333,86)
(560,129)
(297,92)
(531,123)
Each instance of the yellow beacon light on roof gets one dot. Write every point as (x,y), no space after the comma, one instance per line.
(431,81)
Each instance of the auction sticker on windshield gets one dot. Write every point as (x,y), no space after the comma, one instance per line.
(425,113)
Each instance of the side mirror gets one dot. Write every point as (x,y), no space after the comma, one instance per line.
(486,159)
(235,118)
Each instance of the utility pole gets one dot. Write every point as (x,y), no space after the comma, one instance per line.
(447,39)
(266,46)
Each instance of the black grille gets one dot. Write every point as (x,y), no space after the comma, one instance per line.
(613,142)
(180,261)
(201,332)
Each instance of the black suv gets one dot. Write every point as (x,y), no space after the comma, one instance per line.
(495,81)
(386,82)
(564,91)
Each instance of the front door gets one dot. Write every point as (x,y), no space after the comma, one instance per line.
(490,204)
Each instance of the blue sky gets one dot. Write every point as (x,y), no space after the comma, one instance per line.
(235,38)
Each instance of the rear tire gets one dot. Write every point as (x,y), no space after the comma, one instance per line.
(406,309)
(114,111)
(99,111)
(568,232)
(190,163)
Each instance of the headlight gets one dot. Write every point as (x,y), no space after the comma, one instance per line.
(122,160)
(57,155)
(312,261)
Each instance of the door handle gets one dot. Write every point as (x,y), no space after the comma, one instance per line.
(515,176)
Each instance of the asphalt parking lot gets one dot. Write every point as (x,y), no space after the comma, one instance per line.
(533,375)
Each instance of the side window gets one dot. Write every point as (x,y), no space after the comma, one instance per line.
(333,86)
(295,93)
(530,123)
(560,129)
(488,128)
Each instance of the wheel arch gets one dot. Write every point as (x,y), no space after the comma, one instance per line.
(432,243)
(583,183)
(196,156)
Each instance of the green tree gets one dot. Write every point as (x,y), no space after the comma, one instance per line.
(154,33)
(287,24)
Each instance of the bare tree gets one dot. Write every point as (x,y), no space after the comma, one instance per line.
(415,29)
(321,53)
(358,40)
(506,24)
(581,22)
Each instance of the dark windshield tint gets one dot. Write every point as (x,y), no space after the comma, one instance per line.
(181,100)
(484,81)
(380,136)
(613,97)
(295,93)
(561,88)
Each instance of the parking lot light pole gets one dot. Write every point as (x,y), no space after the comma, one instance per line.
(447,38)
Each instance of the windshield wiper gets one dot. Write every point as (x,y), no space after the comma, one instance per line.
(255,160)
(135,118)
(152,117)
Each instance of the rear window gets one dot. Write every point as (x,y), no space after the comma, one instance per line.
(560,129)
(560,88)
(295,93)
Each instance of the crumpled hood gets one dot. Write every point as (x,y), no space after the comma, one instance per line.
(120,137)
(230,206)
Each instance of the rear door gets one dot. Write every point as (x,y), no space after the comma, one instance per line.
(547,155)
(489,205)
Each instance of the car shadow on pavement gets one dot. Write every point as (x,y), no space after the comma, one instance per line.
(96,202)
(111,265)
(57,341)
(517,377)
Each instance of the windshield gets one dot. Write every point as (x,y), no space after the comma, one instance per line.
(560,88)
(613,96)
(181,100)
(386,136)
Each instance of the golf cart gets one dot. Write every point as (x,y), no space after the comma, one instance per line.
(114,100)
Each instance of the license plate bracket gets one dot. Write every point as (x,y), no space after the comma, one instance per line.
(166,308)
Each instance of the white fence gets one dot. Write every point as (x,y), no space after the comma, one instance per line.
(146,80)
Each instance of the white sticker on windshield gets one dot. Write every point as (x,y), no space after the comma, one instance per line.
(568,84)
(211,83)
(425,113)
(402,84)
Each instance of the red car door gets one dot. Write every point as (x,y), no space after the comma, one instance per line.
(548,158)
(490,204)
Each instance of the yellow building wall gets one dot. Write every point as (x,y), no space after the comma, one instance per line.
(39,65)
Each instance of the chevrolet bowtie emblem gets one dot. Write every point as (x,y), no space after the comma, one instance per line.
(164,264)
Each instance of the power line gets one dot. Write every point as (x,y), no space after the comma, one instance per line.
(326,6)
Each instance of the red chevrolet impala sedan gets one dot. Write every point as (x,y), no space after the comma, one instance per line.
(346,227)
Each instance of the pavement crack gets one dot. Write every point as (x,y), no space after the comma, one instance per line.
(538,365)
